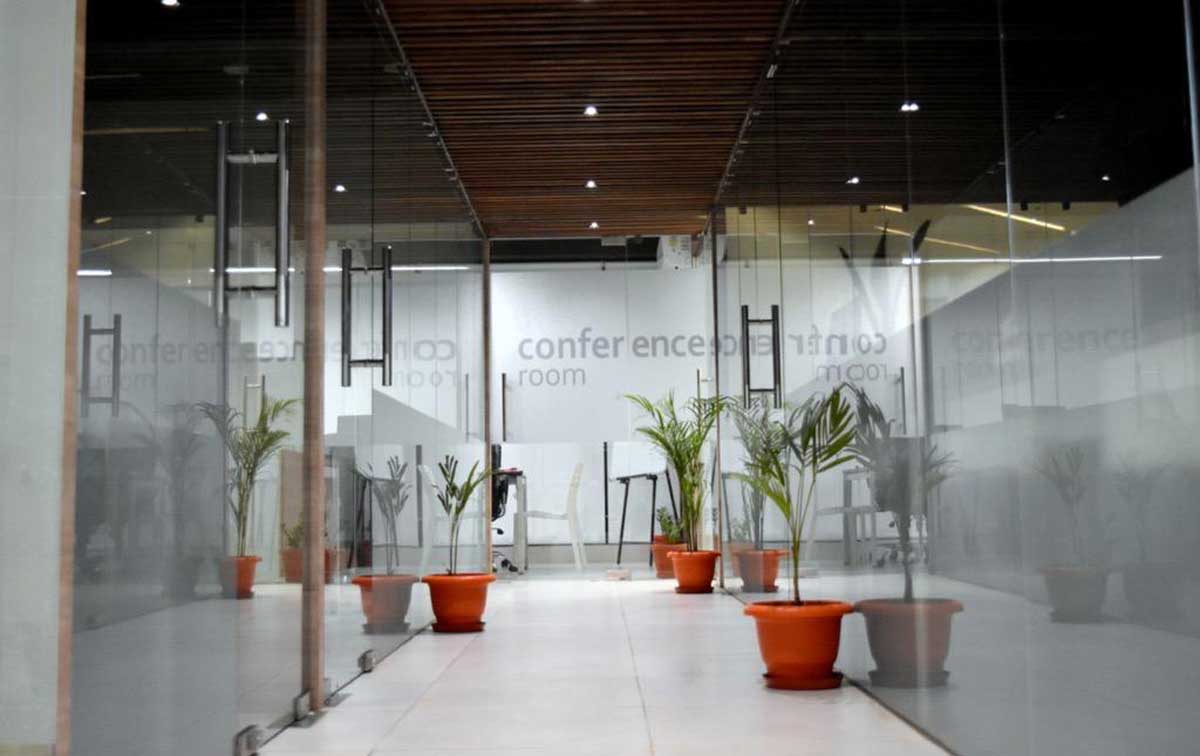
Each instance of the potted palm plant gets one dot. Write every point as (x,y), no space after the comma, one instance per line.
(291,556)
(1152,587)
(763,439)
(681,437)
(249,449)
(459,598)
(909,637)
(1077,588)
(386,598)
(799,639)
(174,452)
(668,539)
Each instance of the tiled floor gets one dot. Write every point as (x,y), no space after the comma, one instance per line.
(591,668)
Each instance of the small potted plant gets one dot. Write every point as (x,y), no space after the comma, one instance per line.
(909,637)
(386,598)
(459,598)
(291,556)
(762,438)
(249,448)
(668,539)
(1077,589)
(741,538)
(174,452)
(681,437)
(1152,587)
(799,639)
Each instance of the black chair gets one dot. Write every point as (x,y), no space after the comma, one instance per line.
(499,506)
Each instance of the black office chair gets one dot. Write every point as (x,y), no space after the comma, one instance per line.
(499,507)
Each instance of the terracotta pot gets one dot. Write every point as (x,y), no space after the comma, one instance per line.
(735,548)
(759,569)
(694,570)
(237,576)
(458,601)
(799,642)
(1152,589)
(385,601)
(663,567)
(909,640)
(1076,593)
(660,539)
(291,563)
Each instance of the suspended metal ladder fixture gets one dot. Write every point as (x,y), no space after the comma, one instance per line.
(283,250)
(85,378)
(384,362)
(776,387)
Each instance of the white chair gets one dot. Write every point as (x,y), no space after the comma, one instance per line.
(571,516)
(856,518)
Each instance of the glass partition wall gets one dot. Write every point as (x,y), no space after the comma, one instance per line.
(404,353)
(179,360)
(1001,252)
(578,325)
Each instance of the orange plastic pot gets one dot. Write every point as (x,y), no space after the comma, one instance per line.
(385,601)
(237,576)
(458,601)
(663,567)
(291,562)
(909,640)
(1076,593)
(694,570)
(799,642)
(759,569)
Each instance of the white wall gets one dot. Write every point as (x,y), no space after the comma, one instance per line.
(37,50)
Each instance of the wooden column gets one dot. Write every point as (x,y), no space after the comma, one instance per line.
(66,509)
(313,454)
(487,396)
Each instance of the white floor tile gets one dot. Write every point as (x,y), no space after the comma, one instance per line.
(590,668)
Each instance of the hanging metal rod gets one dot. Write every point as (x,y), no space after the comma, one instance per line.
(381,11)
(769,68)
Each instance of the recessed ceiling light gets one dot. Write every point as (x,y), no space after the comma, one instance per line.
(1106,177)
(909,107)
(82,192)
(102,220)
(591,184)
(853,180)
(593,225)
(812,222)
(262,116)
(171,3)
(339,188)
(590,111)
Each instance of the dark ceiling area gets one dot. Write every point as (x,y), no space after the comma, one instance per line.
(1081,94)
(158,79)
(1090,93)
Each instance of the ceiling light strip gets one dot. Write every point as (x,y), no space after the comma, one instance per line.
(1021,261)
(935,240)
(1019,218)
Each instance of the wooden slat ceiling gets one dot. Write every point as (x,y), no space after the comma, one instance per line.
(508,80)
